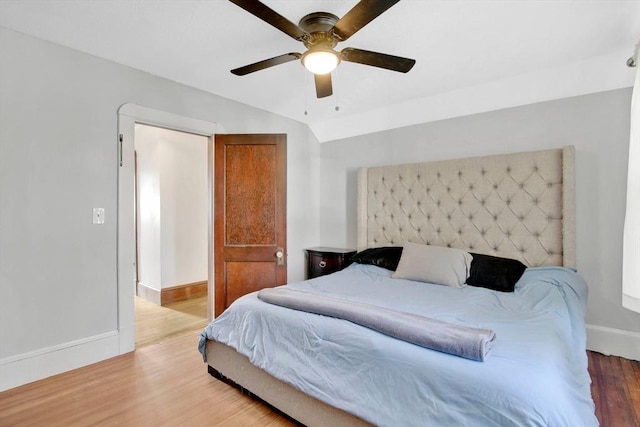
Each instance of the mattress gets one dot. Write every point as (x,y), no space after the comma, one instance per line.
(536,374)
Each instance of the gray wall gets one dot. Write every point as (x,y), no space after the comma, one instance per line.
(58,132)
(597,125)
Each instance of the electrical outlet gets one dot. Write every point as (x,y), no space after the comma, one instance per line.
(98,215)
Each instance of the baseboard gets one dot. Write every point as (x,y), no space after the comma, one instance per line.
(148,293)
(183,292)
(614,342)
(172,294)
(36,365)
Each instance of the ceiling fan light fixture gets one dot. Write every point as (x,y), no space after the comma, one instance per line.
(320,61)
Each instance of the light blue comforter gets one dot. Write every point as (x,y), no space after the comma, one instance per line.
(536,375)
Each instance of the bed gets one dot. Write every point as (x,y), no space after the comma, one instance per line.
(324,370)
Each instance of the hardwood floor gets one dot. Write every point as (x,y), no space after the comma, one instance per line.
(615,388)
(156,323)
(167,384)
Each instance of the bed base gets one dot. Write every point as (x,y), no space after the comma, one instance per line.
(226,364)
(217,375)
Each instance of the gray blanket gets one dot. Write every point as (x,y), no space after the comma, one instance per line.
(464,341)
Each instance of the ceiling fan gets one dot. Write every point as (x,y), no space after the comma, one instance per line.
(320,32)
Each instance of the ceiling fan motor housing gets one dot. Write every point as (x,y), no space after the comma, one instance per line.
(319,25)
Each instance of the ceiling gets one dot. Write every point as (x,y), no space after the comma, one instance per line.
(471,56)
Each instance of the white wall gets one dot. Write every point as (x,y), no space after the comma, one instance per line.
(149,225)
(183,203)
(173,194)
(597,125)
(58,160)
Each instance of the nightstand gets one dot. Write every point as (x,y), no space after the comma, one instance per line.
(322,260)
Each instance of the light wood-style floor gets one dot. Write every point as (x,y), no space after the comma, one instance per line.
(156,323)
(164,384)
(167,384)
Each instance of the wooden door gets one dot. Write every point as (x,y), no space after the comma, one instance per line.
(250,215)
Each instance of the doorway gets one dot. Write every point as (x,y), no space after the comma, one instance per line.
(171,199)
(128,116)
(274,254)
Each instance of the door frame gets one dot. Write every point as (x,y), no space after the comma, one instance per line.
(128,115)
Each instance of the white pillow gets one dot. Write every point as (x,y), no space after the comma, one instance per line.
(434,264)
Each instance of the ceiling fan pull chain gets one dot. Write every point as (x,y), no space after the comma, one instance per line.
(337,90)
(306,90)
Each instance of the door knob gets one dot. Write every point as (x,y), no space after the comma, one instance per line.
(280,256)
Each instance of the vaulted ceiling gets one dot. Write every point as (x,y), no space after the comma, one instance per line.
(471,55)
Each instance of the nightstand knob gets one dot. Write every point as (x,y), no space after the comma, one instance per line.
(322,264)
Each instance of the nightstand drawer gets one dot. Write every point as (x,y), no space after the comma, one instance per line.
(322,260)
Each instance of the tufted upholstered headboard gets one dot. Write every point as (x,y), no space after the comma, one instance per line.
(518,206)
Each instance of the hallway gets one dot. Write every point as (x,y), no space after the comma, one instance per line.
(155,323)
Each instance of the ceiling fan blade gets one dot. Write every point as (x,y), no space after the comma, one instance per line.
(323,85)
(271,17)
(359,16)
(375,59)
(261,65)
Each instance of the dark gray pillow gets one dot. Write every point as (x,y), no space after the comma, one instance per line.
(385,257)
(499,274)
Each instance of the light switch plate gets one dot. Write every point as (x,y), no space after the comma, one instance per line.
(98,215)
